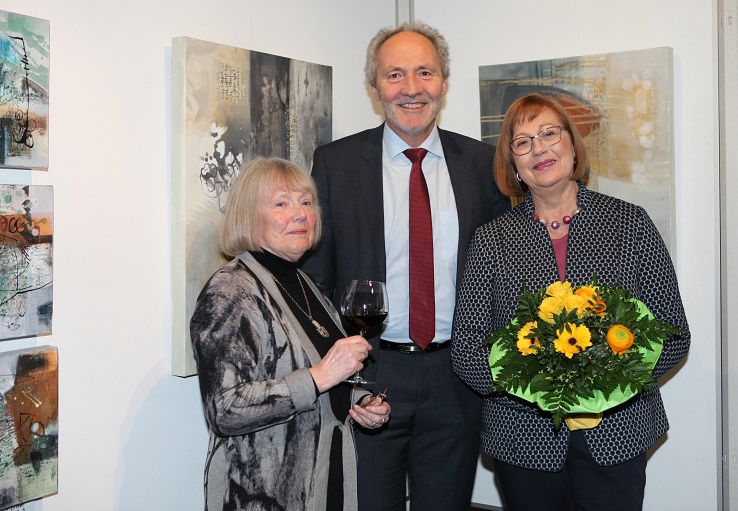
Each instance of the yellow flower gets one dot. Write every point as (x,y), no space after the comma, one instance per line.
(619,338)
(525,343)
(594,301)
(577,303)
(549,306)
(559,290)
(571,343)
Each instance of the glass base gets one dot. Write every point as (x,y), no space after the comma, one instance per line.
(357,379)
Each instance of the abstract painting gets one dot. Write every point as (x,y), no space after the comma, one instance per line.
(24,91)
(29,425)
(26,232)
(621,104)
(230,105)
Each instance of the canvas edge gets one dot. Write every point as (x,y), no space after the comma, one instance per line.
(182,358)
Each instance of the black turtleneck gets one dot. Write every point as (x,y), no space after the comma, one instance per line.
(285,272)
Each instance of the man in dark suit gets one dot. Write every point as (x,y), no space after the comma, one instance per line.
(431,441)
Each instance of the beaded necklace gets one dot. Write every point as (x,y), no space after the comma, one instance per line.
(556,224)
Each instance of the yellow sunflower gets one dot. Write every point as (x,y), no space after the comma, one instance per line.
(525,344)
(574,341)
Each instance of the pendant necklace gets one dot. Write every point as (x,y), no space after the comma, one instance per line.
(309,314)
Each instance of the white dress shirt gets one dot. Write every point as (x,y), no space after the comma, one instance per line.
(396,184)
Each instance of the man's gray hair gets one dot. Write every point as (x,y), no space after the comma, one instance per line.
(432,34)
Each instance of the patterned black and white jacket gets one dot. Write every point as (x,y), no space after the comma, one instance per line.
(270,433)
(619,242)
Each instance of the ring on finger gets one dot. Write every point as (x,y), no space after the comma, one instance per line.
(374,424)
(384,419)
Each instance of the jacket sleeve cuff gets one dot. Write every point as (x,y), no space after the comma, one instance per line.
(302,389)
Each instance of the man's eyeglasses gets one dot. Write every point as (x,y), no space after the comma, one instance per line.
(547,136)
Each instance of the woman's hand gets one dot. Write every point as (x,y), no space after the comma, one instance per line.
(344,358)
(372,413)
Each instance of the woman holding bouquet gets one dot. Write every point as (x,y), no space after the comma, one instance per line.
(562,231)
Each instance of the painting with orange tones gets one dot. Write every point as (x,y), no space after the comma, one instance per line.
(622,105)
(29,425)
(26,232)
(24,91)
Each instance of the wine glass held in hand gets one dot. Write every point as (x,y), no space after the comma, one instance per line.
(365,305)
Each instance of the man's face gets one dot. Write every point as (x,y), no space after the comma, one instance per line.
(409,85)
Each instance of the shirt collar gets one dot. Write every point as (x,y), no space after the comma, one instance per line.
(394,145)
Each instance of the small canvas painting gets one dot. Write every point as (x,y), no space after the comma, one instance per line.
(24,92)
(230,105)
(622,106)
(26,232)
(29,425)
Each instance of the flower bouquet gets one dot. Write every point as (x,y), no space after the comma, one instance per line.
(577,350)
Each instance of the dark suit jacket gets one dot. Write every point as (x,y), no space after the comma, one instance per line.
(348,174)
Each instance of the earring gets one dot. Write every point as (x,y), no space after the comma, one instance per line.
(517,175)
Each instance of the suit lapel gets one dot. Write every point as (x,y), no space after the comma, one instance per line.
(461,183)
(369,171)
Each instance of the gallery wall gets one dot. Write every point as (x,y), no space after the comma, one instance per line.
(132,436)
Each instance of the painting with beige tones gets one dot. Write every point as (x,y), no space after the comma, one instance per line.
(29,425)
(621,104)
(230,105)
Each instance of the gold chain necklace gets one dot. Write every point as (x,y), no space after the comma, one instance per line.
(320,328)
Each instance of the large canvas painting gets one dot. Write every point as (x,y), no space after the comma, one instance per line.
(26,258)
(230,105)
(24,91)
(29,425)
(622,106)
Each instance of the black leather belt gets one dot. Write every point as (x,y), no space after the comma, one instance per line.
(413,349)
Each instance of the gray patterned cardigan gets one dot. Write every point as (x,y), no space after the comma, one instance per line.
(270,434)
(619,242)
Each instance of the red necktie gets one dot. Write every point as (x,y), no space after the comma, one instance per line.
(422,297)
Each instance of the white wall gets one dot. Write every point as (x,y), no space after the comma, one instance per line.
(132,436)
(683,472)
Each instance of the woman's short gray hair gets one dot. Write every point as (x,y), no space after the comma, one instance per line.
(432,34)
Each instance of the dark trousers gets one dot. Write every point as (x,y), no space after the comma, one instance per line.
(582,485)
(427,443)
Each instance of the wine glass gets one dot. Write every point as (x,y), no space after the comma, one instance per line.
(365,305)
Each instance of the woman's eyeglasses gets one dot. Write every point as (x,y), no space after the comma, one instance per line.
(547,137)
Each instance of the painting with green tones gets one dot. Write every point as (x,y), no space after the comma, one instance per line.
(26,232)
(24,92)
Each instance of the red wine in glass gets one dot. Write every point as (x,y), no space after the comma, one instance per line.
(365,321)
(365,305)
